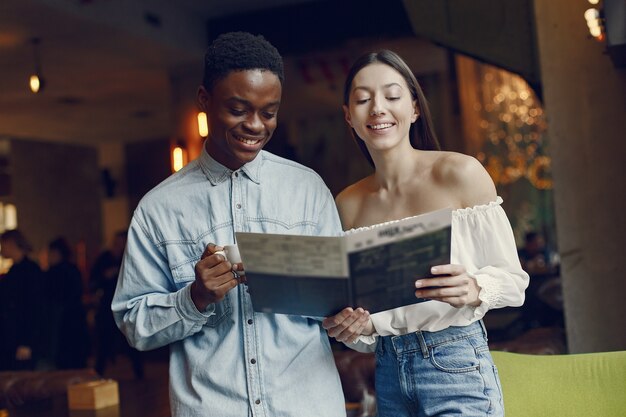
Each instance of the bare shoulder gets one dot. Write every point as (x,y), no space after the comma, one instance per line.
(464,176)
(349,201)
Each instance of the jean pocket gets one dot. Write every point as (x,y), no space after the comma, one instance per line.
(455,356)
(493,388)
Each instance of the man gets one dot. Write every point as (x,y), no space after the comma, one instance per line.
(226,360)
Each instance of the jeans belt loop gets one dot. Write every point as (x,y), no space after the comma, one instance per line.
(482,325)
(422,342)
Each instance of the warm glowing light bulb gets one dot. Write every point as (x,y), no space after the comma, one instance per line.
(595,23)
(35,83)
(177,158)
(594,1)
(203,124)
(591,14)
(595,31)
(10,217)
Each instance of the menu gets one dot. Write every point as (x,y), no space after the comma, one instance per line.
(374,267)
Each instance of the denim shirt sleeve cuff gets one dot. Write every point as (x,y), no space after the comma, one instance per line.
(187,309)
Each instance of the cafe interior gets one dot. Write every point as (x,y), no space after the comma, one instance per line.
(98,105)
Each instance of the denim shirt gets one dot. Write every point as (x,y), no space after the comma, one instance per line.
(227,360)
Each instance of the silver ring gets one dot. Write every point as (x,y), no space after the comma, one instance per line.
(235,275)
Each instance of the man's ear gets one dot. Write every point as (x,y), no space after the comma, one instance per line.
(204,98)
(346,115)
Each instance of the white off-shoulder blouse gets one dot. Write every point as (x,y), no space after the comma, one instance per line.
(483,242)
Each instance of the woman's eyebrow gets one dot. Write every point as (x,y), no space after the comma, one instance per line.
(359,87)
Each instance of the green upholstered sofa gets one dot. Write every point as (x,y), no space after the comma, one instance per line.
(573,385)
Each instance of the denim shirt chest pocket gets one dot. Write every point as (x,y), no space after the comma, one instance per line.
(287,222)
(183,259)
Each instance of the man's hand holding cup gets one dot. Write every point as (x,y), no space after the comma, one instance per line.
(217,272)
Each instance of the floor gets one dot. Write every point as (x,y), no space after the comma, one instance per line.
(151,391)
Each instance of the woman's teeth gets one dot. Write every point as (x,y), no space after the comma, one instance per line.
(381,126)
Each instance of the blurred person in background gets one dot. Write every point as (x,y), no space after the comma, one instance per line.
(69,338)
(109,339)
(21,305)
(536,257)
(544,297)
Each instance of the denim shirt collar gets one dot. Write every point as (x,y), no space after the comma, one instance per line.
(217,173)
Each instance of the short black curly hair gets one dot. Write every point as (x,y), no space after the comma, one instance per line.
(240,51)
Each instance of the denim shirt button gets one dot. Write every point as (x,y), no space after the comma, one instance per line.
(238,205)
(257,402)
(252,361)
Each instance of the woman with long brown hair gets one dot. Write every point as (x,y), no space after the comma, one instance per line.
(432,358)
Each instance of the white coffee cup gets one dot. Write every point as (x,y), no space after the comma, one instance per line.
(231,253)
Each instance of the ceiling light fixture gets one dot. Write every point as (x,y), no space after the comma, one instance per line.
(594,20)
(179,155)
(36,81)
(203,124)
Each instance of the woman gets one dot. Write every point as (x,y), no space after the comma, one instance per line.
(432,358)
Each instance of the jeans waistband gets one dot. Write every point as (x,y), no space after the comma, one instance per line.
(423,340)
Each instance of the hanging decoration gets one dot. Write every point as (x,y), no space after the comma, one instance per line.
(513,122)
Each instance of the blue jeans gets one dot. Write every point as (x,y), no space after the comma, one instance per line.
(444,373)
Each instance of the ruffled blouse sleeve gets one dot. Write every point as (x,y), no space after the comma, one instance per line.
(483,242)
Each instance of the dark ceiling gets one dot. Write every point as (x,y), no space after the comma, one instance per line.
(304,27)
(107,63)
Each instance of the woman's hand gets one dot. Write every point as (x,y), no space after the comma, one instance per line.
(347,325)
(455,288)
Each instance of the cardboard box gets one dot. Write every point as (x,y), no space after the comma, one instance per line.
(93,395)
